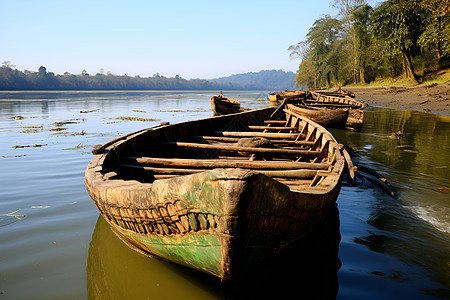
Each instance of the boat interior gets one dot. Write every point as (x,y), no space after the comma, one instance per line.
(274,141)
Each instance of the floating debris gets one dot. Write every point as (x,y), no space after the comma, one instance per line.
(87,111)
(139,111)
(18,118)
(58,129)
(72,121)
(29,146)
(12,214)
(134,119)
(398,135)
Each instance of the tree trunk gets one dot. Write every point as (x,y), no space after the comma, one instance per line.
(408,67)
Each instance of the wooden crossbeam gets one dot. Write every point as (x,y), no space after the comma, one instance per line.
(244,149)
(302,173)
(259,134)
(272,128)
(222,163)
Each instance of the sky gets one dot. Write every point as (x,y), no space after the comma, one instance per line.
(189,38)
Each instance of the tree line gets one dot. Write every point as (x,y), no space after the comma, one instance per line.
(13,79)
(364,43)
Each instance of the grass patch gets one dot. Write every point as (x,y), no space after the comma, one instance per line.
(441,76)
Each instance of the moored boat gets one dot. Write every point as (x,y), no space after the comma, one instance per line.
(336,118)
(278,96)
(221,105)
(218,194)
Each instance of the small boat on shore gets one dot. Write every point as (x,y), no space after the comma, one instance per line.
(331,109)
(219,194)
(336,118)
(221,105)
(278,96)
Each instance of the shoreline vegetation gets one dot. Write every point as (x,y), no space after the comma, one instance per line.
(42,80)
(396,54)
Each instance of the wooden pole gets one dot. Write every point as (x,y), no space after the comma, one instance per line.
(291,136)
(244,149)
(220,163)
(303,174)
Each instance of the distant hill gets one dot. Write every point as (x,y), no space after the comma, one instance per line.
(265,80)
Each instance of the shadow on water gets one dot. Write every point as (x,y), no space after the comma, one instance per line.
(309,267)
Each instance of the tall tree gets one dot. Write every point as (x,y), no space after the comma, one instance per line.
(437,31)
(360,17)
(399,24)
(345,14)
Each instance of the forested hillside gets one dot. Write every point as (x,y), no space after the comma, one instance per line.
(363,43)
(276,80)
(13,79)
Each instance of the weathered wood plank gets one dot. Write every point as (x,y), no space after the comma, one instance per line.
(220,163)
(259,134)
(244,149)
(272,128)
(304,174)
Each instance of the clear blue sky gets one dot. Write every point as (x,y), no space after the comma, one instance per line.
(194,39)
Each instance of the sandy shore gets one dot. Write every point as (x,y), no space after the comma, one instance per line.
(432,98)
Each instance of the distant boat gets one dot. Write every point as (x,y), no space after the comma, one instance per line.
(221,194)
(332,109)
(324,116)
(278,96)
(221,105)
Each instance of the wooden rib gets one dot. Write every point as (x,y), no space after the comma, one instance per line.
(244,149)
(165,170)
(302,173)
(271,127)
(259,134)
(219,163)
(274,122)
(274,141)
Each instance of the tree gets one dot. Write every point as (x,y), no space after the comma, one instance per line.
(323,38)
(42,71)
(362,41)
(347,19)
(437,31)
(398,23)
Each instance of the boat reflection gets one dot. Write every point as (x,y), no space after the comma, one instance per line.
(310,267)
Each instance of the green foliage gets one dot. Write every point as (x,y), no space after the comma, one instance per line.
(363,43)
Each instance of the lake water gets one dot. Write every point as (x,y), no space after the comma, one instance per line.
(54,244)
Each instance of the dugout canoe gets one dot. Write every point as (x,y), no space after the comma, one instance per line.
(221,105)
(278,96)
(355,117)
(219,194)
(336,118)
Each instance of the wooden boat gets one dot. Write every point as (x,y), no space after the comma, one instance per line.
(334,101)
(278,96)
(324,116)
(223,106)
(355,117)
(218,194)
(338,93)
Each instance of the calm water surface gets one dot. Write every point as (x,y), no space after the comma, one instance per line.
(54,245)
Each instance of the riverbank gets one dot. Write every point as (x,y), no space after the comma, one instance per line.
(433,98)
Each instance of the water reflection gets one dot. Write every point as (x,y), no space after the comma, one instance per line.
(115,271)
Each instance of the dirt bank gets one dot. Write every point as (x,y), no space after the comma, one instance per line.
(433,98)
